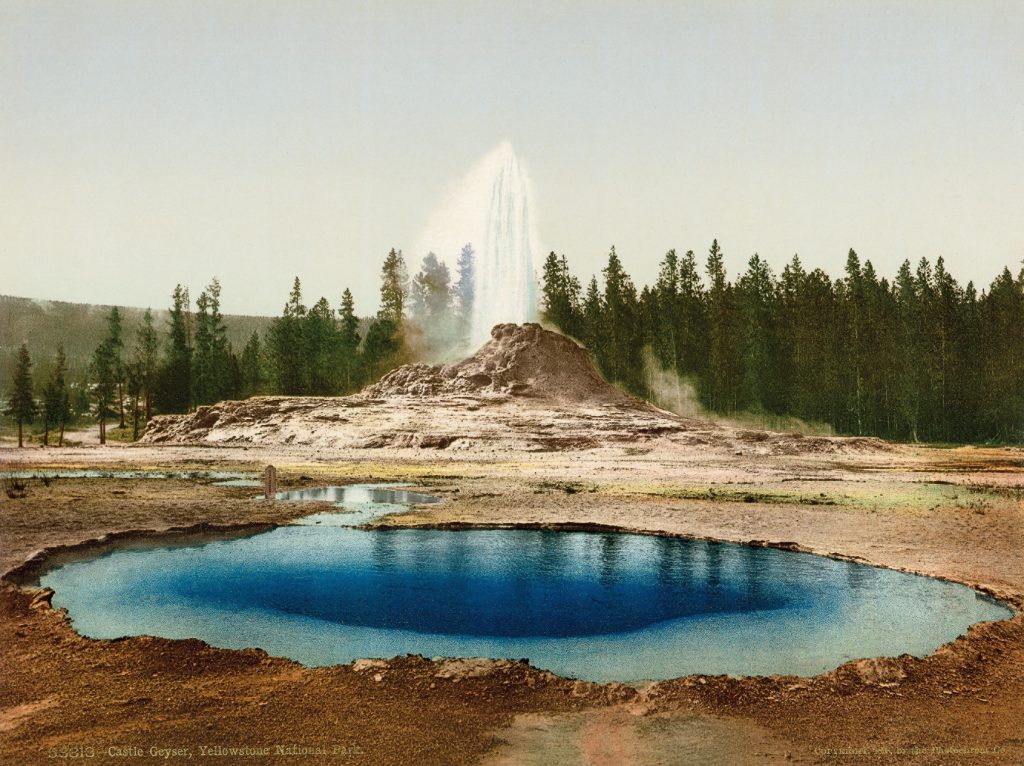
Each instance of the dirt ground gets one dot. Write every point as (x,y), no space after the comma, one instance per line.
(953,513)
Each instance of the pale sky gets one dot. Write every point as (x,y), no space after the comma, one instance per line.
(148,143)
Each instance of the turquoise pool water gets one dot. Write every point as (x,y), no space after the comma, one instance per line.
(599,607)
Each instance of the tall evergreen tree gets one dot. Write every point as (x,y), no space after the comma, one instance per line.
(465,288)
(973,366)
(348,344)
(212,363)
(56,400)
(759,388)
(621,323)
(431,290)
(203,376)
(909,346)
(394,289)
(560,296)
(115,341)
(223,362)
(287,346)
(431,295)
(721,388)
(252,367)
(385,340)
(593,322)
(174,379)
(21,403)
(321,343)
(147,347)
(105,387)
(381,347)
(692,325)
(1002,317)
(667,317)
(133,384)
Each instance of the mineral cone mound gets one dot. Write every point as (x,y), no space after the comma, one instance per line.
(526,389)
(519,360)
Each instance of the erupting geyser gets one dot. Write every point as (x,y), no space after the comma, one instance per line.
(490,209)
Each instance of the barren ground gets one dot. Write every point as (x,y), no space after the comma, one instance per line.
(951,513)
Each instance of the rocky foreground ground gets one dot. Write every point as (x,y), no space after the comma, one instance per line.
(953,513)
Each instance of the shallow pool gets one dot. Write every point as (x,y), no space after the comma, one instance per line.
(599,607)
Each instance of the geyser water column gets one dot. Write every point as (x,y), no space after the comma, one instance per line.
(506,289)
(491,209)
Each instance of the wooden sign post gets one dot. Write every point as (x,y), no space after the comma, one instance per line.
(270,483)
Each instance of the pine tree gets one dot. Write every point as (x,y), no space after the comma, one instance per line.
(348,344)
(381,346)
(133,384)
(222,362)
(21,404)
(465,289)
(805,341)
(394,289)
(692,326)
(560,296)
(321,344)
(252,366)
(203,384)
(115,341)
(287,346)
(593,323)
(720,389)
(104,371)
(621,325)
(756,293)
(927,354)
(876,348)
(385,340)
(973,365)
(81,403)
(908,345)
(174,378)
(56,401)
(431,303)
(667,317)
(431,290)
(146,358)
(1002,312)
(949,340)
(212,362)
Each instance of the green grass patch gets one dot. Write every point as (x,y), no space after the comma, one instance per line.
(872,496)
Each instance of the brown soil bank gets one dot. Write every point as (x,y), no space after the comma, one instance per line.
(527,389)
(953,513)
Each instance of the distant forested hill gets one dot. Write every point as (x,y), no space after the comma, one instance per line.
(81,327)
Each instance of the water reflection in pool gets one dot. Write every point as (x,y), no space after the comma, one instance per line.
(595,606)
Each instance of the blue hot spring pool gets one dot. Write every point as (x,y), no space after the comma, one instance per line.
(600,607)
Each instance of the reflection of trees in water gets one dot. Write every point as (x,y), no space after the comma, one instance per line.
(713,565)
(752,566)
(677,561)
(858,577)
(667,551)
(383,544)
(423,548)
(552,558)
(611,559)
(455,552)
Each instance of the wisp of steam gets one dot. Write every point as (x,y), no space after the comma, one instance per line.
(491,208)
